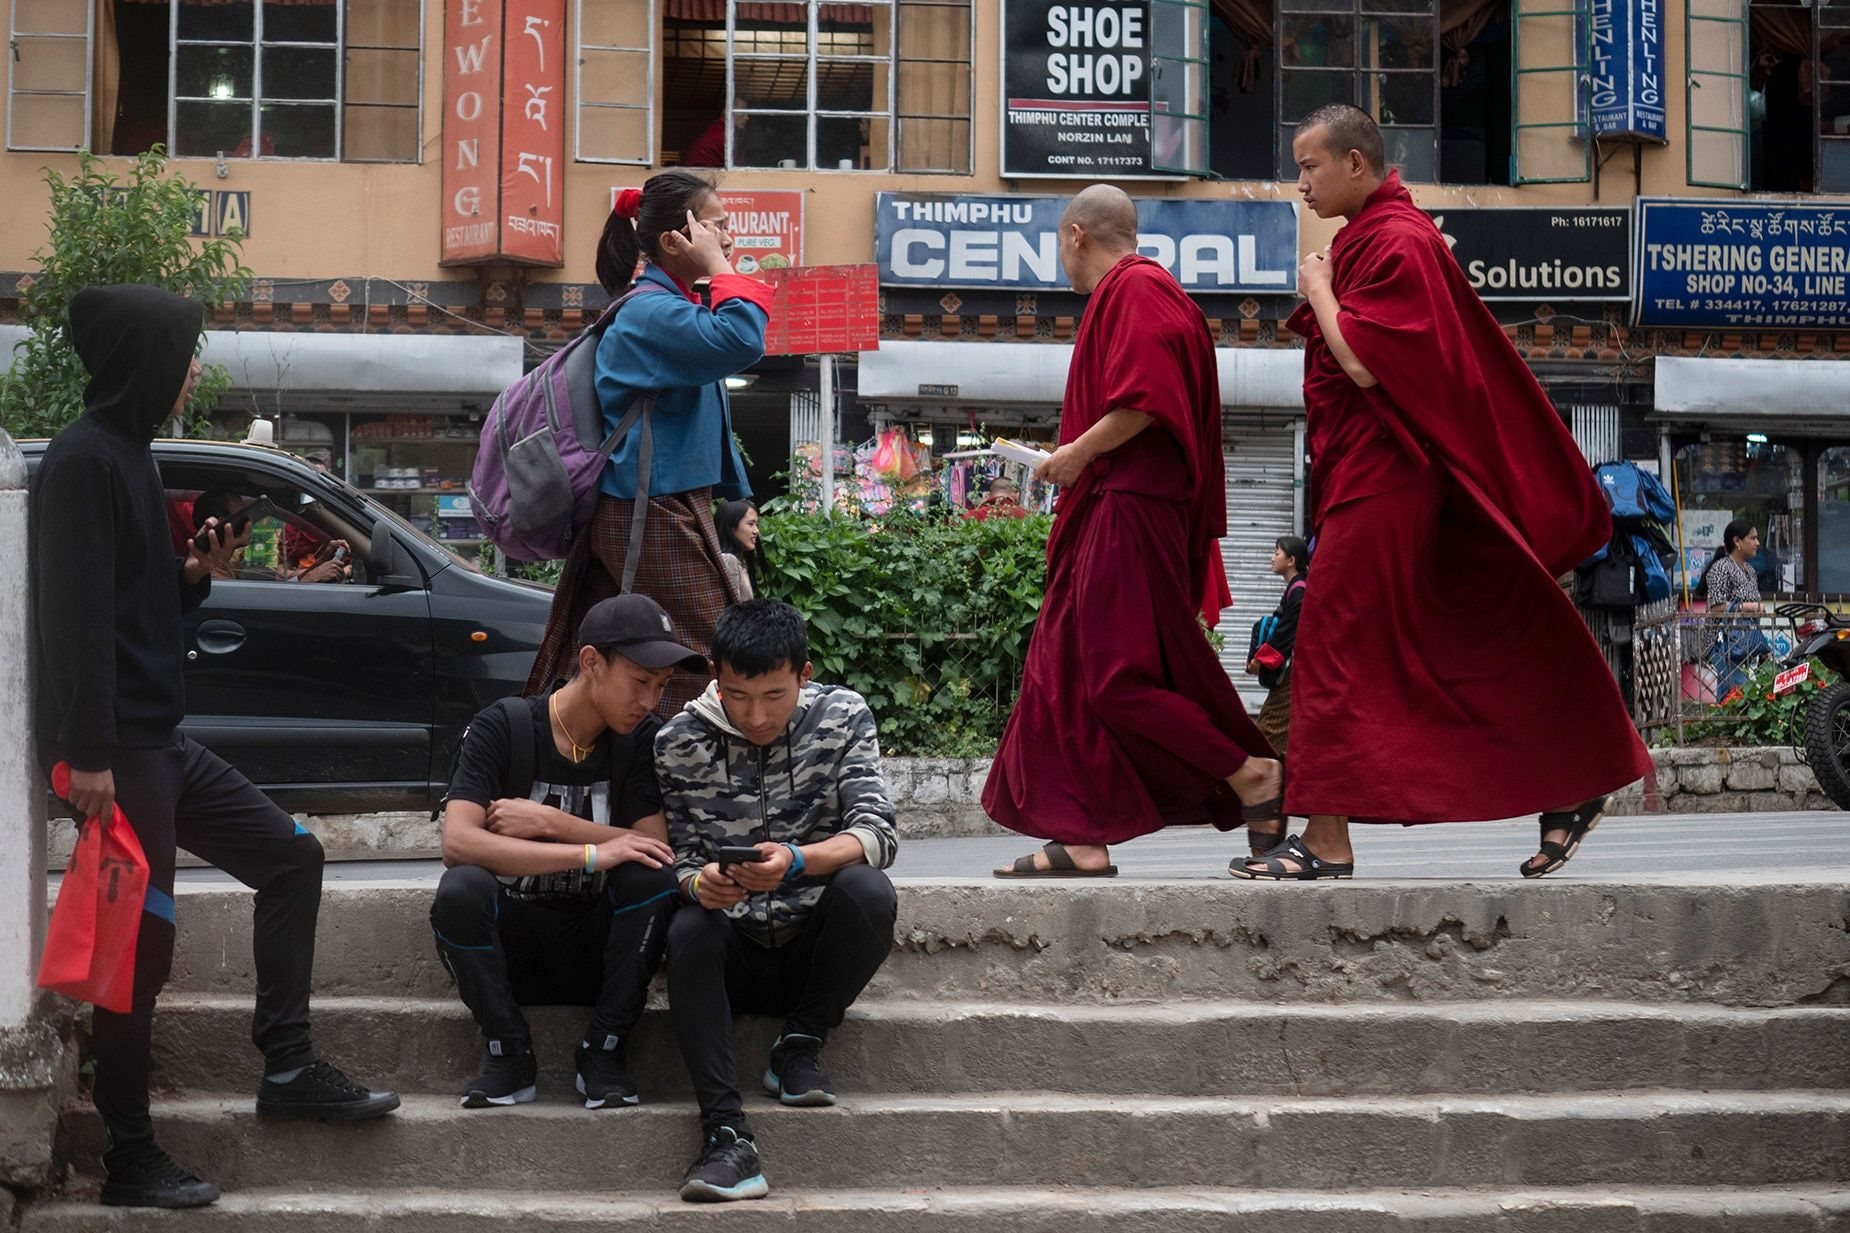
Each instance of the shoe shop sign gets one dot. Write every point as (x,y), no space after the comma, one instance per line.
(1541,252)
(1076,88)
(1220,247)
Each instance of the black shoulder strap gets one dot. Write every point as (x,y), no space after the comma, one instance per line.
(523,740)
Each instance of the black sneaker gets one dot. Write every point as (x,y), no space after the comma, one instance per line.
(506,1078)
(150,1178)
(604,1073)
(726,1169)
(795,1075)
(322,1091)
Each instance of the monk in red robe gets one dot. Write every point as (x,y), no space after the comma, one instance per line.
(1126,721)
(1441,674)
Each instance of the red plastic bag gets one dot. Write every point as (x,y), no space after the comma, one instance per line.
(90,944)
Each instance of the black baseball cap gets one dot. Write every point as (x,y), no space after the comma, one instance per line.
(638,629)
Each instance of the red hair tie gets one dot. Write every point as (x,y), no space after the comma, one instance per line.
(629,203)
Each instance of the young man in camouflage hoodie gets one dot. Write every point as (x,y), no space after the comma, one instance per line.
(767,761)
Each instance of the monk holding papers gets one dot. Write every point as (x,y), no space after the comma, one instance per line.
(1126,721)
(1441,674)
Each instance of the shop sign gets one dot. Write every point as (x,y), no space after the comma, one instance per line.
(1220,247)
(503,132)
(1542,252)
(1076,88)
(823,310)
(533,118)
(767,227)
(216,212)
(1742,264)
(1624,95)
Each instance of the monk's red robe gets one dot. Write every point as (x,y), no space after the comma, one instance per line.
(1126,721)
(1440,672)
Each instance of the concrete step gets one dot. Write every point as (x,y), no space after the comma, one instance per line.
(1182,1049)
(974,1210)
(1713,942)
(1036,1139)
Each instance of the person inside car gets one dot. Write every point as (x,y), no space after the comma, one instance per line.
(304,554)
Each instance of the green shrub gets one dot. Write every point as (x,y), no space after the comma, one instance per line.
(927,618)
(1750,714)
(107,229)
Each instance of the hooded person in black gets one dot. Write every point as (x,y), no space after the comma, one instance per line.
(110,597)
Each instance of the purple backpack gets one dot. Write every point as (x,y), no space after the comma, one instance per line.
(535,481)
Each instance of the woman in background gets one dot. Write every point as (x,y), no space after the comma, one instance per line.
(741,548)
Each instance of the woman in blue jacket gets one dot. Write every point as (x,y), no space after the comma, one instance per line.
(667,236)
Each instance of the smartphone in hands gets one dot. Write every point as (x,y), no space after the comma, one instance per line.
(238,523)
(739,855)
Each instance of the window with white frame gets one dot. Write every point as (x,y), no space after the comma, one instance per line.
(615,81)
(291,79)
(819,85)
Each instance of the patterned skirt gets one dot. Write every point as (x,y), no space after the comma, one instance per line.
(680,570)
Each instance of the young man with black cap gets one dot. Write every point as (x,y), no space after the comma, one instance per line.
(110,596)
(560,876)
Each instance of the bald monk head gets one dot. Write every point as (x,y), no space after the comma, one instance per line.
(1098,230)
(1341,159)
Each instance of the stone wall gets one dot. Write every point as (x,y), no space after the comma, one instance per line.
(1697,779)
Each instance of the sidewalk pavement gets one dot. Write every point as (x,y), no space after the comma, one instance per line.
(1756,848)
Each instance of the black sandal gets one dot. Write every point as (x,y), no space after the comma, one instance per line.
(1059,865)
(1578,824)
(1311,866)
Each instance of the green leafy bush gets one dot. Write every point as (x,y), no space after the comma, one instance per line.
(927,618)
(110,229)
(1750,714)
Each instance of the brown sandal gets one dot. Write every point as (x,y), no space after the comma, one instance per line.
(1059,865)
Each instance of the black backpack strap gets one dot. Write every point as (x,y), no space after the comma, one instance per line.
(523,740)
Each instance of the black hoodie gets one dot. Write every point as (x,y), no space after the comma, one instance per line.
(110,592)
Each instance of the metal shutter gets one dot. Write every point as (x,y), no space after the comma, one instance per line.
(1262,478)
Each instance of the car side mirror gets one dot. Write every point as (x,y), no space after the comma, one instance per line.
(389,563)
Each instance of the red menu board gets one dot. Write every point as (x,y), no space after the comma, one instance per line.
(822,309)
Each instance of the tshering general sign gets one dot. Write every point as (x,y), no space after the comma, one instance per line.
(1743,264)
(1076,88)
(1212,247)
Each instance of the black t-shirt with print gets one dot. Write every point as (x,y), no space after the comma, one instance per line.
(614,786)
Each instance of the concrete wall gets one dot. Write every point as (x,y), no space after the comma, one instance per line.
(22,819)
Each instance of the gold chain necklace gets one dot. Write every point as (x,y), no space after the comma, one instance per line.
(579,752)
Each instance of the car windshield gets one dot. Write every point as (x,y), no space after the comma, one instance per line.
(383,511)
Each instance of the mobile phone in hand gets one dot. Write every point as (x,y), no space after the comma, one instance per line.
(237,524)
(735,855)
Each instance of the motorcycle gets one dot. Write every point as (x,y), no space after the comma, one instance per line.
(1821,636)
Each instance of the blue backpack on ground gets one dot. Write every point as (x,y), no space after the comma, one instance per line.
(543,451)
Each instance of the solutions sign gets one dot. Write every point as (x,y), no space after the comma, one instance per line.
(1212,247)
(1076,88)
(1541,252)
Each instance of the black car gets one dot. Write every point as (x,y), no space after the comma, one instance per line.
(341,697)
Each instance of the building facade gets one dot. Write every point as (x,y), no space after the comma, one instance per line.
(1644,190)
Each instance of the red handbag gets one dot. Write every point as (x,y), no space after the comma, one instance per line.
(90,944)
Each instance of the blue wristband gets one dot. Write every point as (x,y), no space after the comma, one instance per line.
(796,863)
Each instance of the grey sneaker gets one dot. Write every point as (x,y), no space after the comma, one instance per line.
(508,1076)
(727,1168)
(795,1075)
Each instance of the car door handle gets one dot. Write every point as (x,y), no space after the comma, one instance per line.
(219,637)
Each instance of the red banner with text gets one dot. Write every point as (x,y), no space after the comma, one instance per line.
(471,130)
(533,133)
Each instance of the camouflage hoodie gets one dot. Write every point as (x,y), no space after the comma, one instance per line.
(821,779)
